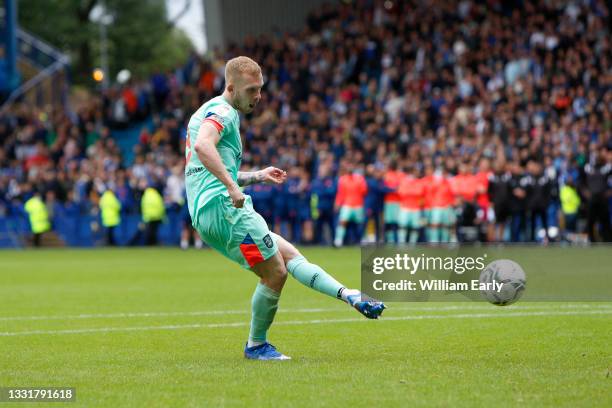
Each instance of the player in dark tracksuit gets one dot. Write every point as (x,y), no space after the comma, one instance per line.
(538,198)
(518,187)
(375,198)
(500,194)
(323,193)
(597,188)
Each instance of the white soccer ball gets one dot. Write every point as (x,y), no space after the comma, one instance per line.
(505,282)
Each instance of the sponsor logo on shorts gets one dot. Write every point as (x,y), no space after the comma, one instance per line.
(268,241)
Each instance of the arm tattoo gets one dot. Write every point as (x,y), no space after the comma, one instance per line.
(246,178)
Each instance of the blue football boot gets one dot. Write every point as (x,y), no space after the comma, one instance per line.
(368,307)
(264,351)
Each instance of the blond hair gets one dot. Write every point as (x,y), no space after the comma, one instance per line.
(239,66)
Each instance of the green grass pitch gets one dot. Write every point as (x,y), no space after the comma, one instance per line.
(162,327)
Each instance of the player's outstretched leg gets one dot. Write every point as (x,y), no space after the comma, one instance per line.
(264,305)
(315,277)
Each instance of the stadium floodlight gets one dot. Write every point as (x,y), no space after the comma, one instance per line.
(98,75)
(124,76)
(100,15)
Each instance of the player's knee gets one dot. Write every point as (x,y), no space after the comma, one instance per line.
(274,276)
(287,251)
(290,254)
(281,272)
(274,282)
(278,274)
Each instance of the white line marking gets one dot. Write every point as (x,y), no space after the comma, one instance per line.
(484,306)
(300,322)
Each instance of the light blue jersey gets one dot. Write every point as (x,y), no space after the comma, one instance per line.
(202,185)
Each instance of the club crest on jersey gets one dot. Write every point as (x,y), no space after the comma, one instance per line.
(215,117)
(267,239)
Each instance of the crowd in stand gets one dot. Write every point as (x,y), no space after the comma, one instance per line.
(463,120)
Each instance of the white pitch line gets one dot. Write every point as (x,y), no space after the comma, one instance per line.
(302,322)
(305,310)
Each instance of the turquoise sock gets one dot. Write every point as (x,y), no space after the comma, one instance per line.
(432,234)
(444,235)
(264,305)
(314,277)
(401,235)
(414,236)
(340,231)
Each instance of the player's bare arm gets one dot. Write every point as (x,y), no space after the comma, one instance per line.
(269,175)
(205,148)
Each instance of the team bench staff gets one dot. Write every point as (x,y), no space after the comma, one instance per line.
(225,219)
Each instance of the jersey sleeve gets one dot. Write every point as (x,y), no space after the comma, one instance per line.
(219,116)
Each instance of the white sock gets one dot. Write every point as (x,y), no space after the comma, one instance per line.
(198,243)
(184,244)
(348,292)
(252,343)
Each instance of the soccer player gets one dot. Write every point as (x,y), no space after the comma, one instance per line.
(442,200)
(224,216)
(428,171)
(485,207)
(500,191)
(322,201)
(350,198)
(392,179)
(464,184)
(465,188)
(412,193)
(373,201)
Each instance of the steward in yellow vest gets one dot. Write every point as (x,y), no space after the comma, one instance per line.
(38,216)
(153,213)
(110,211)
(570,204)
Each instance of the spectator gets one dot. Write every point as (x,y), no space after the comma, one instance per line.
(506,83)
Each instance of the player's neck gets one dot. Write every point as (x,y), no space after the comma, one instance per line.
(228,98)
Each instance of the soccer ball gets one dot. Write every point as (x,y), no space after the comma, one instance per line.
(511,277)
